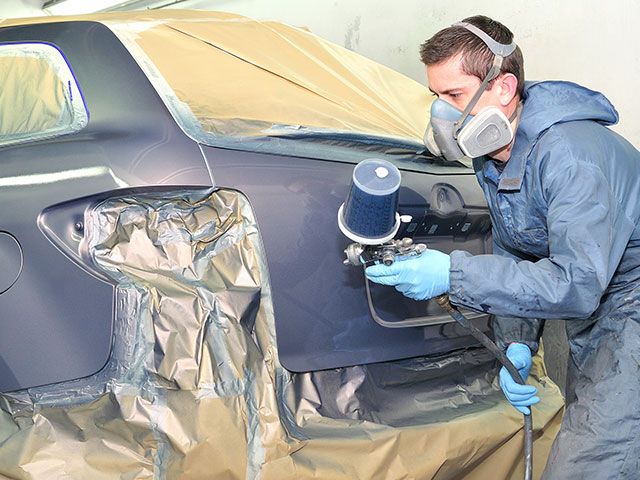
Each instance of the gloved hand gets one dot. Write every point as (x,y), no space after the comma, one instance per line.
(520,396)
(415,276)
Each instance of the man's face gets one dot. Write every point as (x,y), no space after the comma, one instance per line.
(448,81)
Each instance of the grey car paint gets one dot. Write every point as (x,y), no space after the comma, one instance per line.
(56,320)
(322,317)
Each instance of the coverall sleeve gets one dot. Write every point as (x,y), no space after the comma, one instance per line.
(508,329)
(587,234)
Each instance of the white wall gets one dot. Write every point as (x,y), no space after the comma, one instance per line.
(592,42)
(20,8)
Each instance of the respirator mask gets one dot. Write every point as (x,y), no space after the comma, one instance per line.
(454,134)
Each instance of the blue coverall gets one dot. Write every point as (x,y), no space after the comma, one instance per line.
(565,213)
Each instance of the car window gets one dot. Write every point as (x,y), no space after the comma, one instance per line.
(39,96)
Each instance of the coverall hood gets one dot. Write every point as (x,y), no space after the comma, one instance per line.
(547,104)
(553,102)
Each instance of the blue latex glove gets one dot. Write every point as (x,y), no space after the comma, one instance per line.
(415,276)
(520,396)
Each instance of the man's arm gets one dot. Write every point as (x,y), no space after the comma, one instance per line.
(508,329)
(588,233)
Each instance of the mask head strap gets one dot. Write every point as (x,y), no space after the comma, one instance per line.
(500,51)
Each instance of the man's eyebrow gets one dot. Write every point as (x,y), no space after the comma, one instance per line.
(446,92)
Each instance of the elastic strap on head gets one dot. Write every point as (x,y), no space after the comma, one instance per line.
(493,72)
(516,112)
(502,49)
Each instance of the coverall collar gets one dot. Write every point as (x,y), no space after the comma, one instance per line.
(510,179)
(513,173)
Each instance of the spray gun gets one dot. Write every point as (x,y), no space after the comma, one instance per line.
(366,218)
(369,217)
(358,254)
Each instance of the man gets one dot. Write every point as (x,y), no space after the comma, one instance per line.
(564,198)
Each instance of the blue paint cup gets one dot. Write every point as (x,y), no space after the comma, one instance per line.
(370,213)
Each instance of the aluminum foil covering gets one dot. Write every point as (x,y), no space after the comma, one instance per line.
(194,389)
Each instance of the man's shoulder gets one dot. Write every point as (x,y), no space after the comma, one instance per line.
(573,137)
(566,146)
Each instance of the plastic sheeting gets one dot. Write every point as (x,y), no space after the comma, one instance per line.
(194,389)
(39,97)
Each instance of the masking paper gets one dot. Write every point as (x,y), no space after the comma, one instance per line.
(235,82)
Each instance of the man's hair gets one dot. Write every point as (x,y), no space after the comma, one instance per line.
(477,58)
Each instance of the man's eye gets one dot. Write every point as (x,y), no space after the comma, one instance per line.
(454,95)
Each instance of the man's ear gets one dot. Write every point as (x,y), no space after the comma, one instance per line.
(508,88)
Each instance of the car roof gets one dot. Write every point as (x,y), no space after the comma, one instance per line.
(242,77)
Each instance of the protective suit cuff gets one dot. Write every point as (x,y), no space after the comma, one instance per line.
(507,330)
(503,344)
(458,294)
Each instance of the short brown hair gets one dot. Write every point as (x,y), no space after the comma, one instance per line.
(477,58)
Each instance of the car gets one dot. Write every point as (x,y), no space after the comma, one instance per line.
(169,200)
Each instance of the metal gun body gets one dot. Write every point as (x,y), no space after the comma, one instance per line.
(358,254)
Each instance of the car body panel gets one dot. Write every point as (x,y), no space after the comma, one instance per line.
(132,140)
(322,316)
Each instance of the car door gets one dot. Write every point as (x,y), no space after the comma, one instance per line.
(322,315)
